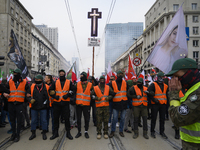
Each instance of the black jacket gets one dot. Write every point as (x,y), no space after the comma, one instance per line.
(41,98)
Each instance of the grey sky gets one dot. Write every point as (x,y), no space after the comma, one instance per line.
(54,14)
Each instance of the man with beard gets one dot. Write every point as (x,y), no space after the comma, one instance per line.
(158,94)
(184,112)
(18,88)
(102,94)
(138,93)
(61,91)
(83,99)
(120,87)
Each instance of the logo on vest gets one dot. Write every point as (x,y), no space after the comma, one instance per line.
(183,109)
(193,98)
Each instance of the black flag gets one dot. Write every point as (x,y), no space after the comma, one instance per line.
(16,56)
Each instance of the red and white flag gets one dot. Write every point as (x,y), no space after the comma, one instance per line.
(172,44)
(88,73)
(109,73)
(149,78)
(154,71)
(142,75)
(131,71)
(74,78)
(28,78)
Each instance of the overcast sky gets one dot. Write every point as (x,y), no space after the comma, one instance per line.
(54,14)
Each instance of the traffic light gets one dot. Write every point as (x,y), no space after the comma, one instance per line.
(43,71)
(1,58)
(47,63)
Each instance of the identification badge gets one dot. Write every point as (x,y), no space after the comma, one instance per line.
(183,109)
(193,98)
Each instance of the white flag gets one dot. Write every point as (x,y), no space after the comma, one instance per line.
(172,44)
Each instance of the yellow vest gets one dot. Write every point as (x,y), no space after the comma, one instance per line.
(190,133)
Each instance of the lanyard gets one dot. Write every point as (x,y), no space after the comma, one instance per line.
(40,88)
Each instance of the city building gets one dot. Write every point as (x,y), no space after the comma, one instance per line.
(50,33)
(14,16)
(119,37)
(156,20)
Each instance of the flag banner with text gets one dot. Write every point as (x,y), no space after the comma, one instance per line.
(16,56)
(172,44)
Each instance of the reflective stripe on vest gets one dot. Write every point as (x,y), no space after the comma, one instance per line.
(32,89)
(120,95)
(17,94)
(190,133)
(83,98)
(161,96)
(61,92)
(143,100)
(98,93)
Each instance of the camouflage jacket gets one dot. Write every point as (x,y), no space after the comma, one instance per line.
(188,112)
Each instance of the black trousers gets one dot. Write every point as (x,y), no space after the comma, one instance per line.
(25,115)
(86,114)
(154,111)
(59,109)
(94,109)
(15,113)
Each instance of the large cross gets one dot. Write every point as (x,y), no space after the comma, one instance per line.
(94,15)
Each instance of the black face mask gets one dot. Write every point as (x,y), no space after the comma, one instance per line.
(119,78)
(139,85)
(62,78)
(102,83)
(17,77)
(38,83)
(84,78)
(160,80)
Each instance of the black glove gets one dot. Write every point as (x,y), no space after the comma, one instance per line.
(65,96)
(156,100)
(147,92)
(57,97)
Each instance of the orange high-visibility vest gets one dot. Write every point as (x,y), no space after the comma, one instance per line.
(161,96)
(120,95)
(51,99)
(103,101)
(17,94)
(181,94)
(143,100)
(83,98)
(32,89)
(61,92)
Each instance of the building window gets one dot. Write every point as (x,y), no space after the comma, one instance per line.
(24,23)
(17,36)
(16,15)
(25,32)
(21,19)
(22,30)
(175,7)
(28,44)
(33,58)
(21,40)
(195,54)
(195,30)
(194,6)
(25,42)
(195,18)
(11,10)
(12,22)
(195,43)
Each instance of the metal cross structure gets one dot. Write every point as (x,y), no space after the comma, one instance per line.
(94,15)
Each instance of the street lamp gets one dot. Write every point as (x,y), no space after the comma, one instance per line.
(135,50)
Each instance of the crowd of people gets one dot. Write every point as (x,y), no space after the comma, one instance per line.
(119,103)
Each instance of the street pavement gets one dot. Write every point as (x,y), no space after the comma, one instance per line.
(116,143)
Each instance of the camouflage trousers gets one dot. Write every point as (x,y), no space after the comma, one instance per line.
(190,146)
(102,116)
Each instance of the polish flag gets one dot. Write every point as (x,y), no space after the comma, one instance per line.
(131,71)
(109,73)
(73,74)
(149,78)
(0,80)
(114,74)
(154,71)
(142,75)
(88,73)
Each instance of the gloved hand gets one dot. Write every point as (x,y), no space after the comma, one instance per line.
(57,97)
(65,96)
(107,98)
(52,92)
(156,100)
(32,101)
(99,98)
(70,92)
(138,96)
(147,92)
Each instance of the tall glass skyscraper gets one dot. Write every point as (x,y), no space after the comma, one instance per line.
(119,37)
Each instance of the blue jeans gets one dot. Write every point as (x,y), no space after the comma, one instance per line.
(43,118)
(110,111)
(115,119)
(50,112)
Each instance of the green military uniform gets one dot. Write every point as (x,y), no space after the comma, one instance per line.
(102,113)
(185,111)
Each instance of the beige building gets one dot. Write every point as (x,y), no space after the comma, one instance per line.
(45,55)
(156,20)
(14,16)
